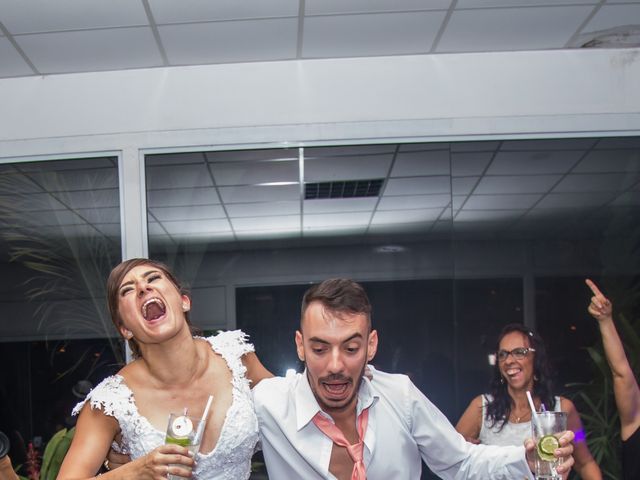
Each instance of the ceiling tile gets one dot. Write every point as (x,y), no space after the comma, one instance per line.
(533,162)
(487,215)
(486,146)
(91,50)
(209,238)
(181,158)
(610,16)
(170,11)
(627,199)
(409,164)
(55,217)
(466,164)
(46,16)
(517,184)
(108,197)
(263,209)
(424,147)
(233,41)
(618,142)
(333,231)
(367,35)
(503,29)
(71,180)
(182,176)
(501,202)
(182,197)
(346,168)
(336,219)
(602,182)
(191,212)
(335,205)
(22,202)
(100,215)
(610,161)
(574,200)
(11,63)
(405,202)
(154,228)
(406,216)
(262,235)
(328,7)
(186,227)
(75,164)
(259,193)
(458,201)
(464,4)
(247,173)
(402,228)
(417,186)
(111,230)
(283,223)
(463,185)
(82,231)
(548,144)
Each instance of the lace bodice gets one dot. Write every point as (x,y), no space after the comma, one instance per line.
(231,458)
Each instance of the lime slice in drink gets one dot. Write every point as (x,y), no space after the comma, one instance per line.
(183,442)
(546,446)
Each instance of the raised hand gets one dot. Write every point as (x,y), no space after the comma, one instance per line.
(600,307)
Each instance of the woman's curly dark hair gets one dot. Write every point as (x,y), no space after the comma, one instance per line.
(499,408)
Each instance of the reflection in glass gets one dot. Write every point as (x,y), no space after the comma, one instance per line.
(59,238)
(453,241)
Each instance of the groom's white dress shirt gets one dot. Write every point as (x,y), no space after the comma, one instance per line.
(404,427)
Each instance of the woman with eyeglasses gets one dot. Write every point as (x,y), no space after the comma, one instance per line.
(625,385)
(503,416)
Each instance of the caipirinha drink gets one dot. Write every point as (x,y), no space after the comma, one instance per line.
(185,431)
(546,428)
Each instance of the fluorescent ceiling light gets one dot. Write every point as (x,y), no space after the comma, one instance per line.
(275,184)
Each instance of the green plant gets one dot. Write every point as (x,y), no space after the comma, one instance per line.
(54,453)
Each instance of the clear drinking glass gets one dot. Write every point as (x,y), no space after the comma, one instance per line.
(546,428)
(186,431)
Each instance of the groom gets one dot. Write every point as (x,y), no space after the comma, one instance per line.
(331,422)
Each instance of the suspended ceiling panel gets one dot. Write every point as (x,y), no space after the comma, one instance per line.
(40,37)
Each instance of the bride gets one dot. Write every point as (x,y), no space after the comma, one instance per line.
(172,370)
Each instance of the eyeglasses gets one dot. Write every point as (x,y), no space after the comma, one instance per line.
(518,353)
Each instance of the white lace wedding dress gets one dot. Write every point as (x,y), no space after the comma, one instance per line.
(231,457)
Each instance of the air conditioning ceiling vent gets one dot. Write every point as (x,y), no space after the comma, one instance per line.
(343,189)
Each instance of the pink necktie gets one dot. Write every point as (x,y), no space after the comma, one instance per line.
(356,450)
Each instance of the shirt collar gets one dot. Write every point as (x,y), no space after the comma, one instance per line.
(307,405)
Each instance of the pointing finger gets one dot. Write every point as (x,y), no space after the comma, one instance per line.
(593,288)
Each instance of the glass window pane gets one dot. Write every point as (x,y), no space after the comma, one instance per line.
(451,240)
(59,238)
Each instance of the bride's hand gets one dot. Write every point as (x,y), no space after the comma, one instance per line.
(164,460)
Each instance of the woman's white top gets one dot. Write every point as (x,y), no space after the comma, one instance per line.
(231,457)
(510,434)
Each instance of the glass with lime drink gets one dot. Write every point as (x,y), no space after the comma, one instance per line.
(546,428)
(186,431)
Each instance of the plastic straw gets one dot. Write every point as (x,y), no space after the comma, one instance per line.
(534,414)
(533,407)
(203,421)
(206,409)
